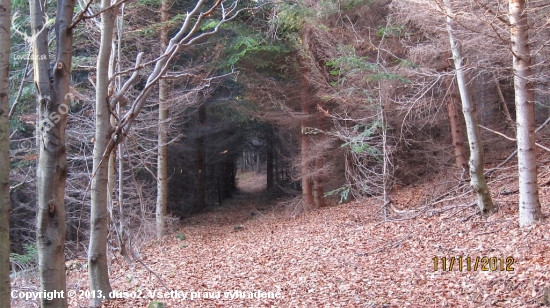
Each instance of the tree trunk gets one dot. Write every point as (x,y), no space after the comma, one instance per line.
(269,157)
(318,190)
(162,159)
(307,189)
(456,129)
(53,103)
(276,166)
(111,169)
(477,181)
(5,207)
(228,176)
(305,98)
(99,220)
(219,174)
(509,121)
(200,178)
(529,204)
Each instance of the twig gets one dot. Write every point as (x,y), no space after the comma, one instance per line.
(18,96)
(470,216)
(387,246)
(488,172)
(512,139)
(147,267)
(542,125)
(445,209)
(20,184)
(80,16)
(450,198)
(484,233)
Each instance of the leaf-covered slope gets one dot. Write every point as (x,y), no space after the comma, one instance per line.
(343,256)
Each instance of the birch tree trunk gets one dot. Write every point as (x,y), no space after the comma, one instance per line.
(97,252)
(529,204)
(162,159)
(477,177)
(53,103)
(5,207)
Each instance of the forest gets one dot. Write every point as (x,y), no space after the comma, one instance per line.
(258,153)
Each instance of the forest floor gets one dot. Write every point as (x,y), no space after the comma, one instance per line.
(349,255)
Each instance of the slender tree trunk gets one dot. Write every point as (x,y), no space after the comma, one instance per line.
(162,159)
(457,135)
(53,103)
(117,154)
(529,204)
(305,98)
(307,189)
(228,176)
(276,166)
(5,206)
(505,110)
(200,179)
(477,177)
(218,174)
(318,190)
(269,157)
(97,253)
(111,169)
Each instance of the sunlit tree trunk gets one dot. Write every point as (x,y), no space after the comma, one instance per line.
(111,173)
(5,205)
(97,253)
(53,103)
(162,158)
(529,204)
(457,135)
(477,177)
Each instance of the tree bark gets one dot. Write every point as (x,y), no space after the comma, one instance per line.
(529,204)
(269,157)
(228,176)
(97,253)
(477,177)
(318,190)
(457,135)
(307,189)
(162,159)
(505,110)
(305,98)
(53,103)
(5,206)
(200,178)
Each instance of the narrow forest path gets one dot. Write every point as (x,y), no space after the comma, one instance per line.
(340,256)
